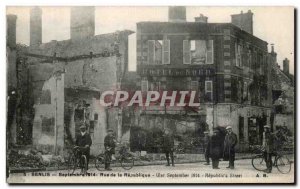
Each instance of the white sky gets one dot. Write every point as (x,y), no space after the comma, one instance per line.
(271,24)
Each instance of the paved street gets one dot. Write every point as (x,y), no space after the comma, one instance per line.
(193,172)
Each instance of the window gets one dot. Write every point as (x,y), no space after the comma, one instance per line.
(159,52)
(238,56)
(155,86)
(144,86)
(194,85)
(245,91)
(208,91)
(198,52)
(249,58)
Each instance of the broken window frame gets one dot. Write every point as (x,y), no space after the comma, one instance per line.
(187,51)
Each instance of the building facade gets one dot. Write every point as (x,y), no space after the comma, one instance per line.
(227,66)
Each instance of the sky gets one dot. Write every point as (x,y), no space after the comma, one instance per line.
(274,25)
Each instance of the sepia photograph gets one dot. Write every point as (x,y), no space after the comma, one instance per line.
(150,95)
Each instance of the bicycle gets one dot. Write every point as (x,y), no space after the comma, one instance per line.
(77,159)
(125,159)
(281,162)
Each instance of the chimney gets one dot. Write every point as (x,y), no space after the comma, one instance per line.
(177,14)
(286,66)
(243,21)
(201,19)
(35,26)
(82,22)
(11,24)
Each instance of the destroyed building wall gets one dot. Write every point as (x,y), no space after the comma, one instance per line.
(91,66)
(48,124)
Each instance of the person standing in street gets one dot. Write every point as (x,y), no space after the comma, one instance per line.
(109,145)
(215,148)
(168,145)
(206,147)
(84,141)
(229,145)
(268,146)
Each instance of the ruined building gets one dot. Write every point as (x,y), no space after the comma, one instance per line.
(67,79)
(224,62)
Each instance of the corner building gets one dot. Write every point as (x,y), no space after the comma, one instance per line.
(224,62)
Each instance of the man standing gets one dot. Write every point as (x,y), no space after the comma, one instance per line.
(268,145)
(168,144)
(109,145)
(206,147)
(84,141)
(229,144)
(215,148)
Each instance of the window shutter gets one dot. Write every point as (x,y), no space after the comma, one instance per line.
(166,51)
(151,52)
(186,52)
(210,52)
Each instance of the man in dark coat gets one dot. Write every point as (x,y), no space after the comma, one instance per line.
(84,141)
(229,144)
(268,145)
(206,147)
(109,145)
(215,148)
(168,145)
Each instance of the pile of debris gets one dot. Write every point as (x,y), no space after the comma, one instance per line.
(32,158)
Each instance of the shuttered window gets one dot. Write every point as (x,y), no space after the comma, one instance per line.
(210,52)
(166,51)
(186,52)
(151,52)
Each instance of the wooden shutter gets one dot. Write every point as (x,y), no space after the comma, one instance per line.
(186,52)
(151,52)
(210,52)
(166,51)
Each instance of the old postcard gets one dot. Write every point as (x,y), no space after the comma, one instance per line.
(149,95)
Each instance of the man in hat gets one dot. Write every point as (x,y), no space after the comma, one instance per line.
(84,141)
(109,145)
(206,147)
(168,144)
(229,144)
(268,146)
(215,148)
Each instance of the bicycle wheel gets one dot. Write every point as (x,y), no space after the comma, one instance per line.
(71,164)
(83,164)
(283,164)
(100,162)
(258,162)
(127,162)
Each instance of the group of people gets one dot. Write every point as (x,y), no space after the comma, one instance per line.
(216,146)
(84,141)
